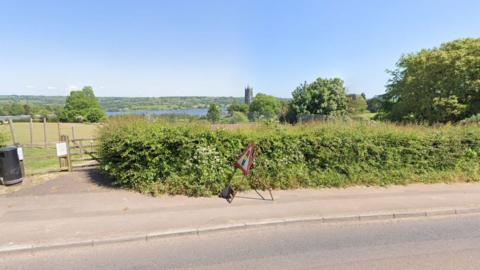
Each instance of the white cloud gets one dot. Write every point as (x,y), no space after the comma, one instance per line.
(51,87)
(29,86)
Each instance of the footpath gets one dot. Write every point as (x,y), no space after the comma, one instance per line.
(79,209)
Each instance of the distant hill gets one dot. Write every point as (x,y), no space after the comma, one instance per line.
(114,104)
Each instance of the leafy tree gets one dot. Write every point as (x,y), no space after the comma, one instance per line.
(356,104)
(237,107)
(213,114)
(27,109)
(238,117)
(15,109)
(323,97)
(374,104)
(435,85)
(82,105)
(264,107)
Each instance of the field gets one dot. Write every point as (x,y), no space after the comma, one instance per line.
(33,156)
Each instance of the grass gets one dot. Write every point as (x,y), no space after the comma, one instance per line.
(22,131)
(34,157)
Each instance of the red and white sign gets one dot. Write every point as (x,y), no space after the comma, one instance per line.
(245,162)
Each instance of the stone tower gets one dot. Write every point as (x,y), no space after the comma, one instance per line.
(248,95)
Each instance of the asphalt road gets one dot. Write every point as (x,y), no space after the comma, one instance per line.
(428,243)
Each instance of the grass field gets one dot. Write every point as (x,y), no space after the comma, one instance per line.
(34,160)
(22,132)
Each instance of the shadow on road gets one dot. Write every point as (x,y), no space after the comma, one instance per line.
(78,181)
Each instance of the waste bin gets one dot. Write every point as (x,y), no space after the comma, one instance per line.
(10,170)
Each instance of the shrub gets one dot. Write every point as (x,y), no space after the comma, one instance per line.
(475,119)
(197,160)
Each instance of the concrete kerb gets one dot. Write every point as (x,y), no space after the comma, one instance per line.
(237,226)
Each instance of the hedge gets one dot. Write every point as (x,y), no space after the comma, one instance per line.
(196,160)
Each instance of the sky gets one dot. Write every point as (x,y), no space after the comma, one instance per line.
(215,48)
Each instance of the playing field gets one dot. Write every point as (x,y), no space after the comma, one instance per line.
(22,132)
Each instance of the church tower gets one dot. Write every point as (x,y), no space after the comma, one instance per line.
(248,95)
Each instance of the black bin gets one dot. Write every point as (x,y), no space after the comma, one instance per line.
(10,171)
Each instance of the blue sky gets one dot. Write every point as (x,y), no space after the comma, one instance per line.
(215,48)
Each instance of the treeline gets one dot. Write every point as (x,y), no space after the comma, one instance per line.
(50,104)
(34,110)
(115,104)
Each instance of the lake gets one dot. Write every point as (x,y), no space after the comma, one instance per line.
(194,112)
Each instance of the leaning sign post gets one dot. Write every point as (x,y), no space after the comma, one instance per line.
(244,163)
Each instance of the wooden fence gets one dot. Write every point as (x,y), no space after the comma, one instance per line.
(40,154)
(79,153)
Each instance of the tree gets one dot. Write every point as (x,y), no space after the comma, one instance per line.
(238,117)
(237,107)
(82,105)
(435,85)
(322,97)
(213,114)
(15,109)
(356,104)
(374,104)
(27,109)
(264,107)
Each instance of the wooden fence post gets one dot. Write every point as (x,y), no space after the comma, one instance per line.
(81,149)
(69,157)
(12,130)
(58,129)
(45,131)
(66,161)
(73,133)
(31,131)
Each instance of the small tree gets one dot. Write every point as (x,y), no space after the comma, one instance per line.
(238,117)
(323,97)
(356,104)
(82,105)
(237,107)
(213,114)
(264,107)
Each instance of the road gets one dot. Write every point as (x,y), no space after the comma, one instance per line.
(428,243)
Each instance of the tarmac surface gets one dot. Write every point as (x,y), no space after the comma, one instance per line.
(81,209)
(434,243)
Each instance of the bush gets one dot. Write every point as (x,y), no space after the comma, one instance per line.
(197,160)
(475,119)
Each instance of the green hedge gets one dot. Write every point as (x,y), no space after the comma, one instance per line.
(196,160)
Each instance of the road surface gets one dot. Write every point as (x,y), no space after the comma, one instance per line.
(428,243)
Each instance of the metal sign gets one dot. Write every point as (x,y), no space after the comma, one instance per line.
(61,149)
(20,153)
(245,162)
